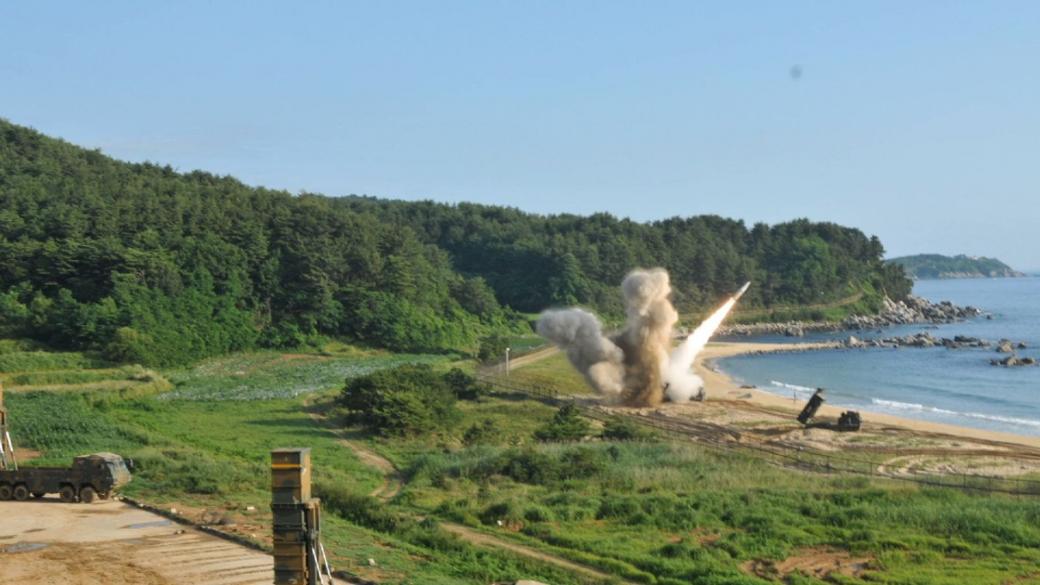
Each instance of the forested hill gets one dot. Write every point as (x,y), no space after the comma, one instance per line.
(534,261)
(147,264)
(159,267)
(959,266)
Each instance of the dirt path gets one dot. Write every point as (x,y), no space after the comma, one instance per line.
(518,362)
(481,539)
(392,484)
(392,480)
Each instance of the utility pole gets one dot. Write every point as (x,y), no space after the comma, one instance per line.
(507,362)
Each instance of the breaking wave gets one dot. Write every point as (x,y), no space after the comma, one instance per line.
(895,404)
(799,390)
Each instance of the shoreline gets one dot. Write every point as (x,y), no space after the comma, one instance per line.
(720,386)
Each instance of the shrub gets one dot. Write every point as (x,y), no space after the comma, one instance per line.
(492,348)
(480,434)
(620,429)
(464,386)
(407,400)
(567,425)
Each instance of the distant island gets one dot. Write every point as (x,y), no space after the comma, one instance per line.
(926,266)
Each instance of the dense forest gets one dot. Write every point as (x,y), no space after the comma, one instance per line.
(959,266)
(150,265)
(534,261)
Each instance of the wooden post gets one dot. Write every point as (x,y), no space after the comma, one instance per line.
(296,521)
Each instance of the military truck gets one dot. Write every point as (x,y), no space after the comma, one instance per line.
(89,478)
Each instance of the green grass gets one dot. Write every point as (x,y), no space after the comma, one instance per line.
(646,508)
(521,344)
(552,373)
(35,361)
(213,454)
(653,512)
(268,375)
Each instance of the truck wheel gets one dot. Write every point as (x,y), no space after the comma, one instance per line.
(5,492)
(68,494)
(21,493)
(87,495)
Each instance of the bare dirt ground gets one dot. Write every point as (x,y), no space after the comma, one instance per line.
(47,542)
(818,563)
(902,446)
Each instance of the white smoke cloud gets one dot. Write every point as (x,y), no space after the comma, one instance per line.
(637,365)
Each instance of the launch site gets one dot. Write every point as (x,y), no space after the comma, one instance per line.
(469,293)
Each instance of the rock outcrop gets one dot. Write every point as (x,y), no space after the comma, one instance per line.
(1013,360)
(914,310)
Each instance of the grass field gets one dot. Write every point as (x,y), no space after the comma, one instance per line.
(552,373)
(654,512)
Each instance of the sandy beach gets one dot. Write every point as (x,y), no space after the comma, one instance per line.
(719,386)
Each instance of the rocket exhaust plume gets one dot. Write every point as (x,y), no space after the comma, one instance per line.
(682,383)
(637,366)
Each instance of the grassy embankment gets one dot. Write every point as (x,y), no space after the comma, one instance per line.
(653,512)
(200,438)
(859,302)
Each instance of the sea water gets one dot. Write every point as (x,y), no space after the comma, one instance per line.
(956,386)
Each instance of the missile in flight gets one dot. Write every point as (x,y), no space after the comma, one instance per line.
(742,290)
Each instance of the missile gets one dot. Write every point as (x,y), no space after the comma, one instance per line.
(742,290)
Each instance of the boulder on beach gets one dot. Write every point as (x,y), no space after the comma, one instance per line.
(1005,346)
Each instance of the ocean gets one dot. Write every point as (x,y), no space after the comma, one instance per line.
(936,384)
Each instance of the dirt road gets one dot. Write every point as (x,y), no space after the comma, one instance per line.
(46,542)
(392,484)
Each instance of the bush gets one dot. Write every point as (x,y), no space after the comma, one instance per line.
(464,386)
(567,425)
(483,433)
(407,400)
(492,348)
(621,429)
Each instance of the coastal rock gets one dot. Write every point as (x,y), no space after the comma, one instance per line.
(1013,360)
(922,339)
(1004,346)
(914,310)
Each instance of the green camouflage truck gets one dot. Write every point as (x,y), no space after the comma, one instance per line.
(90,477)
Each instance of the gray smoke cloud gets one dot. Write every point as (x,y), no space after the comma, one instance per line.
(630,366)
(637,366)
(579,334)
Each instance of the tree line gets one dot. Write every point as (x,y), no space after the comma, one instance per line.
(535,261)
(151,265)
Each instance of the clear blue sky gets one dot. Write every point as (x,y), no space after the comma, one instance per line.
(915,121)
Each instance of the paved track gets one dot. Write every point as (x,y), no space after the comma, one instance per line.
(46,542)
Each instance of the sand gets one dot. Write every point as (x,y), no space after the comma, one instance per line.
(720,387)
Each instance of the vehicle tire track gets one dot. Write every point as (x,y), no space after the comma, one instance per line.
(393,482)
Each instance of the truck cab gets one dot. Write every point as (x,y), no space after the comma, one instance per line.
(105,472)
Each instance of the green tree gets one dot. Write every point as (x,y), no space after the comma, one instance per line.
(407,400)
(566,425)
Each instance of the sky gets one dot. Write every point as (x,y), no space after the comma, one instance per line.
(915,121)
